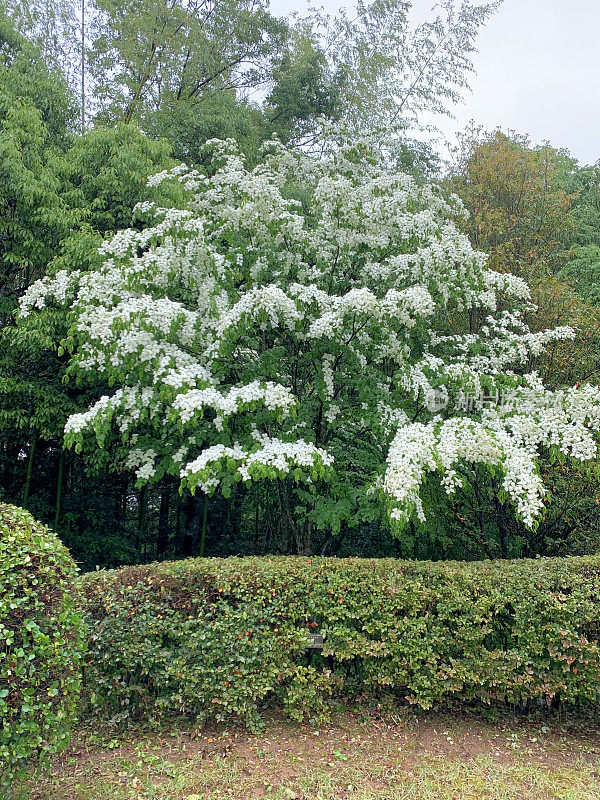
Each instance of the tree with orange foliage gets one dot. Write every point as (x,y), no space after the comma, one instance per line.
(524,212)
(517,201)
(522,202)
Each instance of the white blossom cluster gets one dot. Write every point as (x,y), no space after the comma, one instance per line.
(62,288)
(272,395)
(419,448)
(304,316)
(278,456)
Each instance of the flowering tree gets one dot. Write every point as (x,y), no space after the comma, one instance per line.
(298,322)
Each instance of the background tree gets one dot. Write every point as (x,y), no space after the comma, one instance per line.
(54,28)
(517,201)
(233,69)
(582,270)
(95,182)
(585,183)
(306,89)
(523,204)
(391,71)
(35,114)
(148,54)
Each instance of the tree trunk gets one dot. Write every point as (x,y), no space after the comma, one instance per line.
(118,506)
(142,518)
(190,530)
(503,528)
(304,542)
(204,525)
(162,539)
(288,525)
(256,516)
(59,487)
(27,487)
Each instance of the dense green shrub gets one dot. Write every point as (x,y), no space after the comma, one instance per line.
(214,637)
(40,642)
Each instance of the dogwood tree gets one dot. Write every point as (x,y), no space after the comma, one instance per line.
(320,323)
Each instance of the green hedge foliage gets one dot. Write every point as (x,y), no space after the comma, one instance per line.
(41,642)
(215,638)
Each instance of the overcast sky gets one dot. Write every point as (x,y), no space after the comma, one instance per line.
(537,71)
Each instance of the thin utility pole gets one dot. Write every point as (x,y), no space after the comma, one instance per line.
(82,66)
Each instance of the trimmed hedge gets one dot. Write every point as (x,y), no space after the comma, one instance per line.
(41,641)
(215,638)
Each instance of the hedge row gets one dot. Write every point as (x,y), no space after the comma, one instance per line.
(41,643)
(216,638)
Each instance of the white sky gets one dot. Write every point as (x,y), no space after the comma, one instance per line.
(537,71)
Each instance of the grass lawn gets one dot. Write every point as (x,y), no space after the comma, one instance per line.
(442,756)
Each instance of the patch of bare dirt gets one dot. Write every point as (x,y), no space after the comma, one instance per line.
(380,746)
